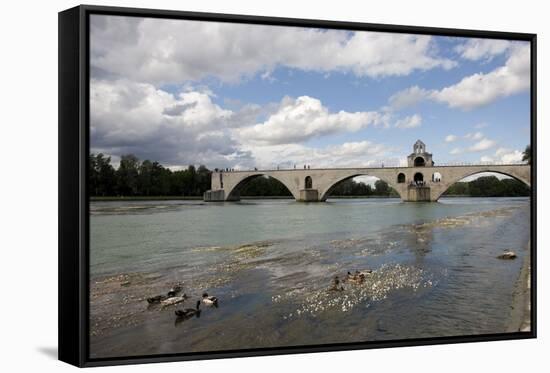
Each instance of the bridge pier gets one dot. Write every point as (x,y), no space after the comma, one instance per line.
(309,195)
(418,194)
(214,196)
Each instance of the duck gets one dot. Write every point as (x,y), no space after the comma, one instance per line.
(174,291)
(188,312)
(156,299)
(508,254)
(173,300)
(335,283)
(171,293)
(209,300)
(356,278)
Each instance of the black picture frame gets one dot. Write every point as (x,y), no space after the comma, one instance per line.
(73,254)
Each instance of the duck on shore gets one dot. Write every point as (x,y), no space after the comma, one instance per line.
(209,300)
(189,312)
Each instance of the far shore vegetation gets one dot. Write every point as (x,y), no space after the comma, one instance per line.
(149,180)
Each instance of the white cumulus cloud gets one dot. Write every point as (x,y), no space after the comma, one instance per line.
(305,117)
(504,155)
(161,51)
(178,129)
(412,121)
(350,154)
(451,138)
(175,129)
(479,89)
(477,49)
(482,145)
(474,136)
(408,97)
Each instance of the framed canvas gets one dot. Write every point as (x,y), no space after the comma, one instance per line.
(235,186)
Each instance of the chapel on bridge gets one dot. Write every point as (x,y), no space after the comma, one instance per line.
(420,157)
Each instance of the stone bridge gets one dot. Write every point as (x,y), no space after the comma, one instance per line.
(424,183)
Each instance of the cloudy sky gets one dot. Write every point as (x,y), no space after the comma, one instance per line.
(242,96)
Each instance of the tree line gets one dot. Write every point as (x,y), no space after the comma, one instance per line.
(146,178)
(489,186)
(351,187)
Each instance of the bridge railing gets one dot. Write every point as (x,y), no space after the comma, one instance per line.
(513,163)
(380,165)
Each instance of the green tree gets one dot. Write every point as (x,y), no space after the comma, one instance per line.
(160,179)
(203,179)
(351,187)
(178,182)
(145,178)
(93,175)
(127,175)
(382,188)
(102,179)
(264,186)
(489,186)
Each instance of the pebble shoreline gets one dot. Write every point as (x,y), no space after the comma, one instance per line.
(520,315)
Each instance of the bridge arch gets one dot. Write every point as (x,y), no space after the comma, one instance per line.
(233,193)
(418,177)
(401,178)
(324,194)
(453,180)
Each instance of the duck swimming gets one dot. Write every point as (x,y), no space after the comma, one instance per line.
(174,291)
(156,299)
(173,300)
(171,293)
(189,312)
(209,300)
(356,278)
(335,283)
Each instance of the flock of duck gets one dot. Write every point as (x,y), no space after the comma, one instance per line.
(172,298)
(358,277)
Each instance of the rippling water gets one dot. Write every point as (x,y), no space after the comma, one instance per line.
(271,264)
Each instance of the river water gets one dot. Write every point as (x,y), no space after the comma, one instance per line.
(271,262)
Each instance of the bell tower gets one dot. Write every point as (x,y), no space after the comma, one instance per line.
(420,157)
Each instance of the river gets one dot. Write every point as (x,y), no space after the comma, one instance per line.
(271,262)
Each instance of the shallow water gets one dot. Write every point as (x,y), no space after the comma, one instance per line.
(271,263)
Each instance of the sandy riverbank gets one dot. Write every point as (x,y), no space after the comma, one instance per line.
(520,315)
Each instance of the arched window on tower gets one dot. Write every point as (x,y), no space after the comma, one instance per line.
(419,162)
